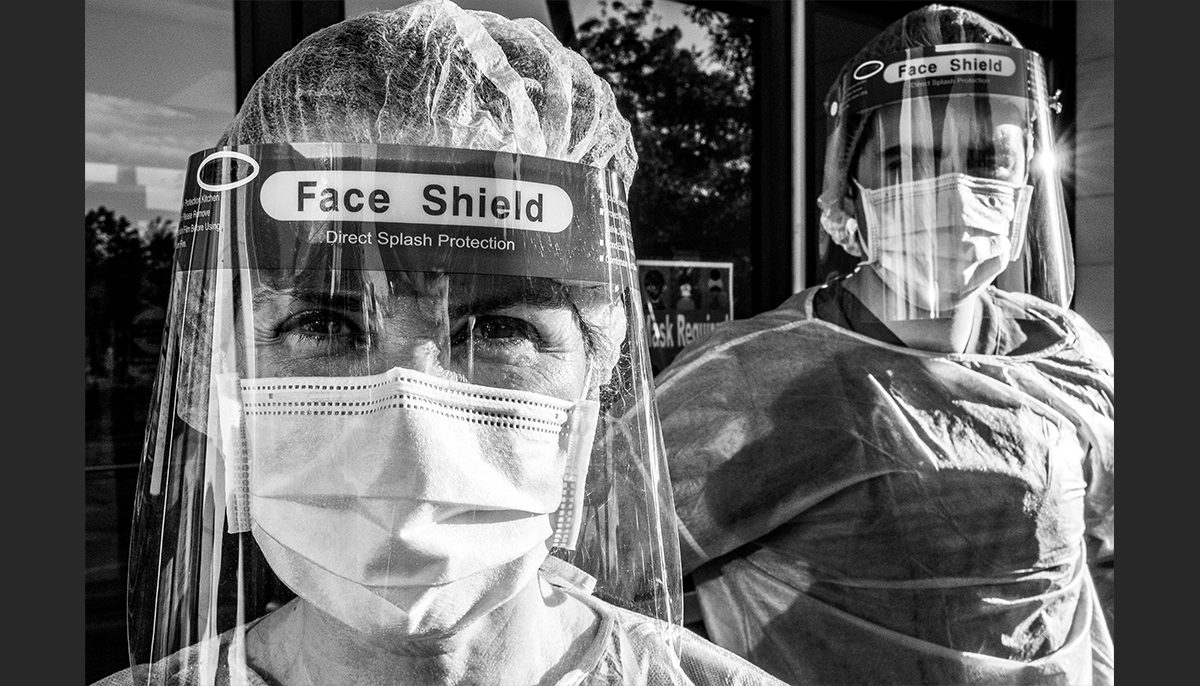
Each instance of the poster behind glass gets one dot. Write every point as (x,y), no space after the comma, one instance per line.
(683,301)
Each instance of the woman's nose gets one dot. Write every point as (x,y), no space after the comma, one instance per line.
(410,331)
(425,354)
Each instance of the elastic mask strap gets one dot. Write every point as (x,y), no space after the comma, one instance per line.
(1023,196)
(233,447)
(870,224)
(580,433)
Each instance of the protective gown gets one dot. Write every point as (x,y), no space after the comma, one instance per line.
(626,649)
(856,511)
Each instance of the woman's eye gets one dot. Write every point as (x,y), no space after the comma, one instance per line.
(495,332)
(892,164)
(321,325)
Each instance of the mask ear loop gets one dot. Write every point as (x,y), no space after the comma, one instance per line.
(576,441)
(1023,197)
(1024,193)
(864,199)
(226,387)
(868,234)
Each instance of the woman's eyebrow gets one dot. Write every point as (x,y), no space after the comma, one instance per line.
(337,300)
(537,294)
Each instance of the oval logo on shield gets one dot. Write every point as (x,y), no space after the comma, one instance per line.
(867,69)
(231,172)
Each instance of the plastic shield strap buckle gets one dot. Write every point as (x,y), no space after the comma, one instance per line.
(579,433)
(232,440)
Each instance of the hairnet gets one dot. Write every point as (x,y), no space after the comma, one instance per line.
(432,73)
(930,25)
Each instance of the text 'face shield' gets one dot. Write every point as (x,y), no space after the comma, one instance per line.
(394,379)
(955,179)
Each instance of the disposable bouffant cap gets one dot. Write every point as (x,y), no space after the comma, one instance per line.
(925,27)
(432,73)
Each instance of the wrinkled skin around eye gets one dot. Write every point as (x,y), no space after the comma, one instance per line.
(498,333)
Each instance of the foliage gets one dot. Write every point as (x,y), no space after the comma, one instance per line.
(159,247)
(690,117)
(126,274)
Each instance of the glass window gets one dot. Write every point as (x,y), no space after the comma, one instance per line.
(686,86)
(158,86)
(683,76)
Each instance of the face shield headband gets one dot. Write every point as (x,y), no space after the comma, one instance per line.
(957,129)
(476,349)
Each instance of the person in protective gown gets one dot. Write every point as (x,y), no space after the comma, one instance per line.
(402,370)
(905,475)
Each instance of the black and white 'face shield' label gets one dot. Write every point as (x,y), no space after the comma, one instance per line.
(407,207)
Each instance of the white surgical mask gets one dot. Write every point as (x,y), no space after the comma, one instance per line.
(938,241)
(404,501)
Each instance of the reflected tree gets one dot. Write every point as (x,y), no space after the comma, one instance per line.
(126,272)
(159,254)
(691,124)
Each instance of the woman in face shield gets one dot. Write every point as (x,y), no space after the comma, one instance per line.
(905,475)
(402,431)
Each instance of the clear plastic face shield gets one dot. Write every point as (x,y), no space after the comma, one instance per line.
(394,380)
(954,178)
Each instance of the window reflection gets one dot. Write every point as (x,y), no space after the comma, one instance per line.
(683,76)
(158,86)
